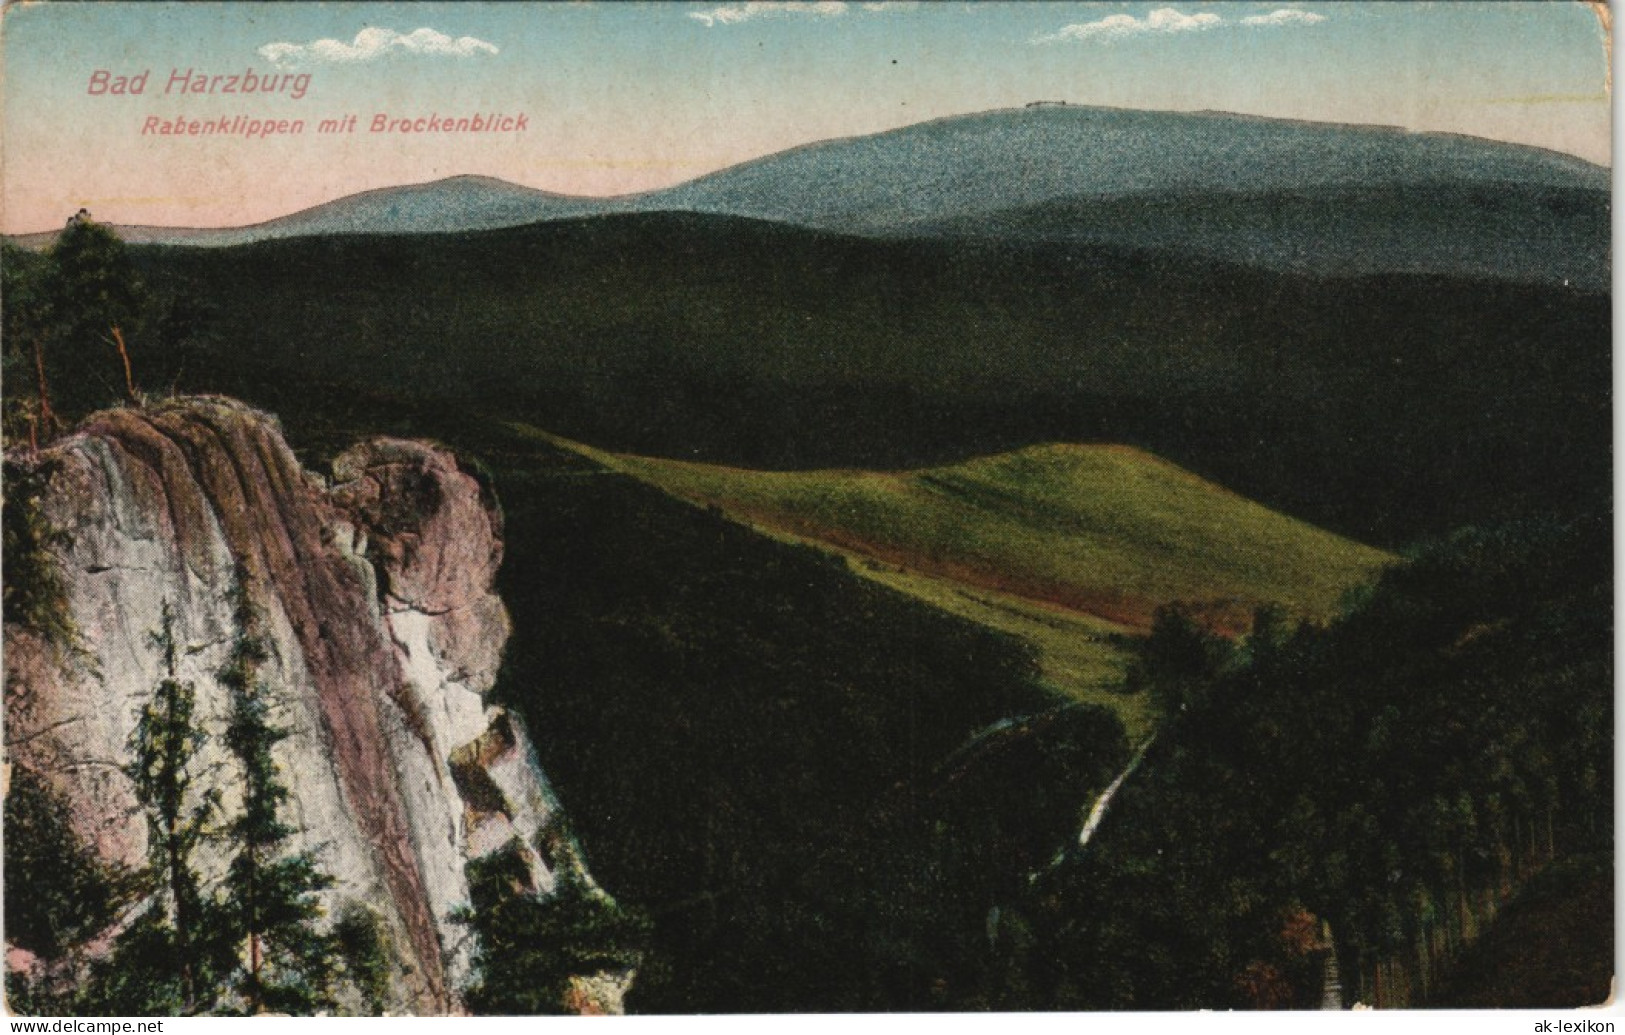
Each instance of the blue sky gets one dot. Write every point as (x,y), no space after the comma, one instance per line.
(628,97)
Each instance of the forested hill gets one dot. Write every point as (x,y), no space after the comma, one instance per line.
(1398,775)
(1379,407)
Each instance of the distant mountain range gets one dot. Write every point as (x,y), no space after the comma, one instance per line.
(1310,197)
(451,205)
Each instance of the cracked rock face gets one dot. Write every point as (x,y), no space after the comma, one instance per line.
(383,634)
(435,530)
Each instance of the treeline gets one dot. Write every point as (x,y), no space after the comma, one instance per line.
(1395,776)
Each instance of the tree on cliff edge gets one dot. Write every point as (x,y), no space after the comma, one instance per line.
(65,308)
(94,291)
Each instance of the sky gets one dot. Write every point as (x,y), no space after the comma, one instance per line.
(619,98)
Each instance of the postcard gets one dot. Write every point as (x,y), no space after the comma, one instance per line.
(815,508)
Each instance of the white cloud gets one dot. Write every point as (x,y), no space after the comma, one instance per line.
(1168,20)
(733,14)
(1117,26)
(891,5)
(371,43)
(1285,16)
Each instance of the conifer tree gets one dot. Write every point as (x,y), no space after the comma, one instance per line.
(271,896)
(166,741)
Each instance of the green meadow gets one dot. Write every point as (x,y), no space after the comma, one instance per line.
(1104,530)
(1072,548)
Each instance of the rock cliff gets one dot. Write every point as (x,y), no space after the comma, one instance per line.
(383,635)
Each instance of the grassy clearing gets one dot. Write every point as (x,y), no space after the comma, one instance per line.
(1072,548)
(1104,530)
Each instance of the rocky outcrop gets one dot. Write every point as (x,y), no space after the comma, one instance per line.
(383,635)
